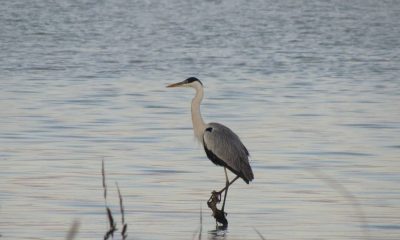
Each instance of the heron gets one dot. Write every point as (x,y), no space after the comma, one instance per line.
(222,146)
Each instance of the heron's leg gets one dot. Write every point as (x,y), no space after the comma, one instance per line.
(222,190)
(218,194)
(227,183)
(226,178)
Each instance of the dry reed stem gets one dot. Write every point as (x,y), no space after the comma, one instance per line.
(347,195)
(201,222)
(200,231)
(259,234)
(112,224)
(103,173)
(73,230)
(121,206)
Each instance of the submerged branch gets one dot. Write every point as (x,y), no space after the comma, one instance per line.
(217,214)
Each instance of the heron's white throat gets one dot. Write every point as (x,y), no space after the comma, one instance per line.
(198,124)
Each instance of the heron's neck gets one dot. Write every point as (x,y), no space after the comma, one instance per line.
(198,123)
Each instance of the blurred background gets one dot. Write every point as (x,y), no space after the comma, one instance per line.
(311,87)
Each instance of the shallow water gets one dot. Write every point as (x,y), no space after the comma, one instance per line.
(311,87)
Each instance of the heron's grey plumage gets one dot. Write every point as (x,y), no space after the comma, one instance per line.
(224,147)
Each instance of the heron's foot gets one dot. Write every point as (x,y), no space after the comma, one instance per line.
(222,190)
(215,197)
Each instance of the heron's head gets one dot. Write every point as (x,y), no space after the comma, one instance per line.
(190,82)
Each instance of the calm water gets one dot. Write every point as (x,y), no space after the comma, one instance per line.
(312,88)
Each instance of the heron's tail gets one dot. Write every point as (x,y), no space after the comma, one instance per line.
(246,173)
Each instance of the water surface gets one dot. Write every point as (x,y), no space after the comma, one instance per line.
(311,87)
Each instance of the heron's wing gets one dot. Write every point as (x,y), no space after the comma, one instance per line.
(224,145)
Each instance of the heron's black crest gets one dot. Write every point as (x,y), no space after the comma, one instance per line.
(209,129)
(193,79)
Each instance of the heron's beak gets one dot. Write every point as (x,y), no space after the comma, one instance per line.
(178,84)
